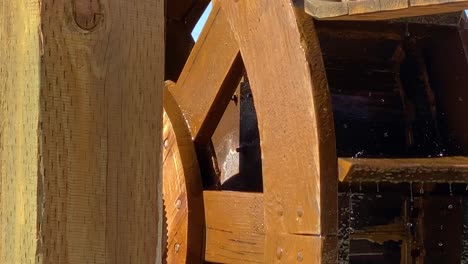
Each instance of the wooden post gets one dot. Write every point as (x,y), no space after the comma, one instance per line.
(80,127)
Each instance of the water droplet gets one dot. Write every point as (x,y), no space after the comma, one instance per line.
(450,189)
(177,247)
(360,186)
(450,206)
(178,203)
(440,244)
(460,99)
(359,154)
(345,126)
(385,134)
(378,187)
(411,197)
(370,94)
(166,143)
(421,190)
(382,100)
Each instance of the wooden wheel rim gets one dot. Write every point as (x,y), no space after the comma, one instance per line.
(181,188)
(294,117)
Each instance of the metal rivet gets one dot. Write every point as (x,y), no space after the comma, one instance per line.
(279,253)
(166,143)
(177,247)
(450,206)
(300,256)
(300,212)
(178,203)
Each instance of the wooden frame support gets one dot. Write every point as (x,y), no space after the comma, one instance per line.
(81,117)
(379,9)
(299,174)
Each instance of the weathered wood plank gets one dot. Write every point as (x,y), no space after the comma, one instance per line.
(234,227)
(81,129)
(379,10)
(211,75)
(447,169)
(294,119)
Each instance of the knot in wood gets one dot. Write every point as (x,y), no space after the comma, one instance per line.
(87,13)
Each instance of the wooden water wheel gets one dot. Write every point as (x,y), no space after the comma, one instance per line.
(293,216)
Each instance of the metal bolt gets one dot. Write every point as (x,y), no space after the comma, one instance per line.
(300,212)
(279,253)
(166,143)
(300,256)
(177,247)
(178,203)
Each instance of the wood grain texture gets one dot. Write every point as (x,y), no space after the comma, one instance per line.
(234,227)
(182,188)
(19,115)
(211,75)
(87,127)
(294,118)
(447,169)
(379,9)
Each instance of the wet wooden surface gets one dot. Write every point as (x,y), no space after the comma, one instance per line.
(235,231)
(448,169)
(209,77)
(182,189)
(305,211)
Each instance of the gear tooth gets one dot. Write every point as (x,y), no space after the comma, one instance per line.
(165,229)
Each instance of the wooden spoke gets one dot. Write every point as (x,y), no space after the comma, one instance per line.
(295,121)
(448,169)
(209,77)
(181,189)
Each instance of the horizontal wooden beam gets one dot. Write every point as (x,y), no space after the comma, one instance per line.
(379,9)
(234,227)
(446,169)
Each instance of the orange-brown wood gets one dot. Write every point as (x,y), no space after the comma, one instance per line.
(182,189)
(235,233)
(209,78)
(379,9)
(447,169)
(234,227)
(291,96)
(81,117)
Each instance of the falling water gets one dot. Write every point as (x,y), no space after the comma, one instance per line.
(411,196)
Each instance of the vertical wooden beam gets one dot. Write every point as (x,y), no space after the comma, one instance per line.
(81,117)
(19,115)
